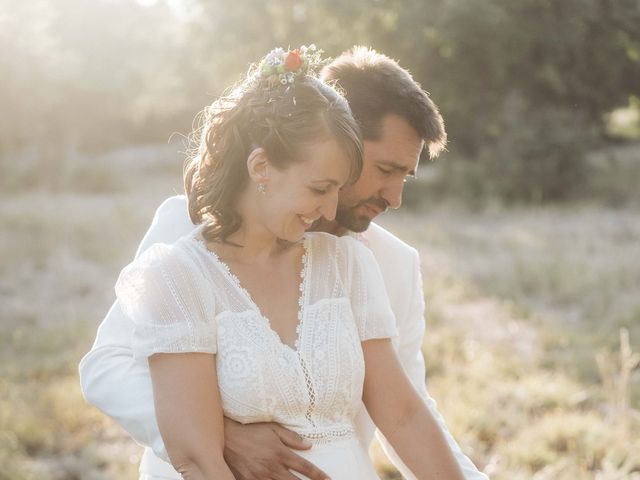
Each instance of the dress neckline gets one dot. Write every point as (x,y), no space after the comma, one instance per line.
(302,287)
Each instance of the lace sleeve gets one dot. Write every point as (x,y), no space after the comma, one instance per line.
(167,298)
(369,301)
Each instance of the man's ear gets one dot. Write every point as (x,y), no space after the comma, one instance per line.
(258,166)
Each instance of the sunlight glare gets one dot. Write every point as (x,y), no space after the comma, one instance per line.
(147,3)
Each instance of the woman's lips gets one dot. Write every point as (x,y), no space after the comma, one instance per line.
(306,221)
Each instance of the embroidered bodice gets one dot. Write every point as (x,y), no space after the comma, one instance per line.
(183,298)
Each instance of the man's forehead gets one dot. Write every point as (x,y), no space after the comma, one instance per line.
(393,139)
(397,155)
(408,168)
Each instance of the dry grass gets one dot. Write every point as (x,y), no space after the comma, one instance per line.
(527,346)
(525,309)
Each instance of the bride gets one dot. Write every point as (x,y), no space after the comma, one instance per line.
(254,318)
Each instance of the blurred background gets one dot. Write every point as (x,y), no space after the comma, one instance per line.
(528,227)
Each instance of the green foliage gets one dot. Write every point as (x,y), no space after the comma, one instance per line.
(94,75)
(539,154)
(524,87)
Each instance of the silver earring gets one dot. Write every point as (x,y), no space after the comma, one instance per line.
(262,188)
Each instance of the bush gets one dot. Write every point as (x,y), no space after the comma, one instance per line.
(531,156)
(537,155)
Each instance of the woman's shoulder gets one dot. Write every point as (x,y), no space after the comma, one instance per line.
(164,271)
(179,255)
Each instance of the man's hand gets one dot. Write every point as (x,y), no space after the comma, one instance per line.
(262,451)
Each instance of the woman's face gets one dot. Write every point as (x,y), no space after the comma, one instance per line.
(305,191)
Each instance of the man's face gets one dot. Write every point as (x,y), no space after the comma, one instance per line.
(387,162)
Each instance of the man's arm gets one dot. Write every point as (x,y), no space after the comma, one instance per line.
(411,330)
(110,378)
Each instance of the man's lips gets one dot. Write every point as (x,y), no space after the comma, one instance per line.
(373,210)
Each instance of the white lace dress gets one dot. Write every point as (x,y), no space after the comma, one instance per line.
(183,298)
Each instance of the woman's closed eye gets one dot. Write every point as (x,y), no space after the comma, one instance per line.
(319,191)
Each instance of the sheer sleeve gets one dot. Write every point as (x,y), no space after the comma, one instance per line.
(369,301)
(169,302)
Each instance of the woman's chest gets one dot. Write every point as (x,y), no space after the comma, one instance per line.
(274,290)
(256,369)
(277,297)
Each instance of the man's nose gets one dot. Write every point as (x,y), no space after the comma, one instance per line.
(392,194)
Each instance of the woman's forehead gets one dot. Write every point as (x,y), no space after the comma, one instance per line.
(325,160)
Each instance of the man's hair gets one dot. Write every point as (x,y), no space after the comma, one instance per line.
(376,86)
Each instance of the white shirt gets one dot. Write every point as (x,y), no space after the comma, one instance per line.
(120,386)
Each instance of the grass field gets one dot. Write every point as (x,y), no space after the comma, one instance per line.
(533,323)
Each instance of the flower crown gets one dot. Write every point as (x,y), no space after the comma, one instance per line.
(281,67)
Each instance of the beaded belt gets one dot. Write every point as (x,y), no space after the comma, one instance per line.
(329,435)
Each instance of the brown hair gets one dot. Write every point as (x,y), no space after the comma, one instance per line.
(280,119)
(376,86)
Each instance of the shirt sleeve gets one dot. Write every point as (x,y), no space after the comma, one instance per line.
(369,301)
(411,328)
(166,296)
(111,379)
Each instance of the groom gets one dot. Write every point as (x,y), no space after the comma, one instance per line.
(398,122)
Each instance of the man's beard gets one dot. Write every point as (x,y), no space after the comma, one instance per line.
(348,218)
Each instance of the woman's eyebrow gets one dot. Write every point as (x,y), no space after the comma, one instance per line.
(327,180)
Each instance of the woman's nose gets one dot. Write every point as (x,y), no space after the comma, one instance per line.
(329,207)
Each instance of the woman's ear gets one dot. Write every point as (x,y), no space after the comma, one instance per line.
(258,166)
